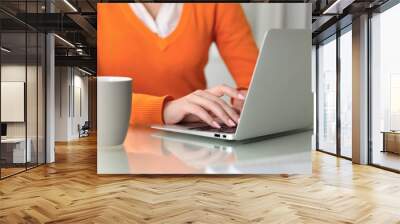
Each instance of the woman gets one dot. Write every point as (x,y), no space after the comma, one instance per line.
(164,48)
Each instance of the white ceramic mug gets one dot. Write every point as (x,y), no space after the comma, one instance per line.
(114,100)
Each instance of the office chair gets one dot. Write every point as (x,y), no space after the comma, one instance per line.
(84,130)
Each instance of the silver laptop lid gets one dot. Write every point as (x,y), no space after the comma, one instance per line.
(280,97)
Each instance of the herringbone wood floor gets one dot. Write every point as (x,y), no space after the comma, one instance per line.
(69,191)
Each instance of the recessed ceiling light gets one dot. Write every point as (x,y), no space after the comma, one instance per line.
(70,5)
(328,10)
(84,71)
(338,6)
(64,40)
(5,50)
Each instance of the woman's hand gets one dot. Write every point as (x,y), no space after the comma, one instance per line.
(238,103)
(204,105)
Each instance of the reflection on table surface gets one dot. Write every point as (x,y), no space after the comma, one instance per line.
(147,151)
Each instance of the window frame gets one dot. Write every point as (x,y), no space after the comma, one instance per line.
(334,37)
(371,13)
(27,29)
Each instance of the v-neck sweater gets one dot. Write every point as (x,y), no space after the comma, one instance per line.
(172,67)
(166,20)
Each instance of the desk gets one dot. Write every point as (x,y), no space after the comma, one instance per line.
(18,151)
(391,141)
(146,151)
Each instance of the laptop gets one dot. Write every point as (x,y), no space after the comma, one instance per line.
(279,98)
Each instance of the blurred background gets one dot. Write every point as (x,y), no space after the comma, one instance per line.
(262,17)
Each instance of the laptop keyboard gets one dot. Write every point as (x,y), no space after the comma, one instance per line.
(224,129)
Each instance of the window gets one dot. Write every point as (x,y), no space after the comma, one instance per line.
(22,77)
(385,89)
(346,93)
(394,101)
(333,137)
(327,96)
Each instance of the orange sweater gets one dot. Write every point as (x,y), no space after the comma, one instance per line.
(172,66)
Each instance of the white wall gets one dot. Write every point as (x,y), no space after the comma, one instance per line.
(81,84)
(262,17)
(62,81)
(12,73)
(16,72)
(70,81)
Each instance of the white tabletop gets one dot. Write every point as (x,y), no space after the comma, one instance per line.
(13,140)
(146,151)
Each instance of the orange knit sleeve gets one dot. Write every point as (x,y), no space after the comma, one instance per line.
(235,42)
(147,109)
